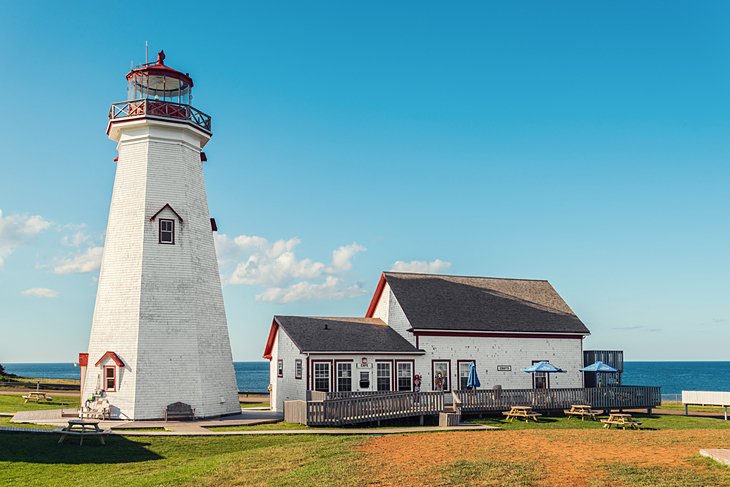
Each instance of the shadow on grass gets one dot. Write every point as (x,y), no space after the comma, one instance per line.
(44,449)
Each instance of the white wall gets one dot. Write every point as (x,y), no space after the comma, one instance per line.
(566,353)
(389,310)
(160,307)
(288,387)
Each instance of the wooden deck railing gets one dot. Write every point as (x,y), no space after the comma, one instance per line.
(162,109)
(342,408)
(622,397)
(373,407)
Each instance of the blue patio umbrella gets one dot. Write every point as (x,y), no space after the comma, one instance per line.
(473,381)
(599,367)
(543,366)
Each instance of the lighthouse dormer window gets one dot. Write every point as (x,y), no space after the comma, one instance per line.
(110,378)
(167,231)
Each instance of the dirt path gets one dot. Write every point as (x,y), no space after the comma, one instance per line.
(558,457)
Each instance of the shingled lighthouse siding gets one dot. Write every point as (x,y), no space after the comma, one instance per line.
(426,324)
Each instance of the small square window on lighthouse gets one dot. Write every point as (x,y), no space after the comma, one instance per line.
(167,231)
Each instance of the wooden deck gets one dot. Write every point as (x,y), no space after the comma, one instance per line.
(344,408)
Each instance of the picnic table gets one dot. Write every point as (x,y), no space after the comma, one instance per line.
(525,412)
(620,420)
(581,410)
(81,428)
(36,397)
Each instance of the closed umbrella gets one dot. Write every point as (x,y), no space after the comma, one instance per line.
(472,382)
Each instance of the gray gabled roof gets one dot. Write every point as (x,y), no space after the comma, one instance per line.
(324,334)
(482,304)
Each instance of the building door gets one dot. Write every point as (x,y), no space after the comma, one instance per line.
(364,380)
(540,380)
(322,374)
(441,370)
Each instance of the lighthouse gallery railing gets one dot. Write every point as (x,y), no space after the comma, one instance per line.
(163,109)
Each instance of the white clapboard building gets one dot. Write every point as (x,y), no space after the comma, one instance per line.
(159,333)
(432,326)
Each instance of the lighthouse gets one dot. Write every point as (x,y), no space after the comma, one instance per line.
(159,333)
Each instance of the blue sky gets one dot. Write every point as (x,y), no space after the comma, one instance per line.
(581,142)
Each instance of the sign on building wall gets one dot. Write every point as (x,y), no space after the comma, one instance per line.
(504,368)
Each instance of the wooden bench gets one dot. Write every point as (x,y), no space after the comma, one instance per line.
(179,411)
(99,409)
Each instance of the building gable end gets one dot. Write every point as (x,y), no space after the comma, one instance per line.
(168,207)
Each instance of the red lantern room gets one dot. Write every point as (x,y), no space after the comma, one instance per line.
(156,81)
(155,90)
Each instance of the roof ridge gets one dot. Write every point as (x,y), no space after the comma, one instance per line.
(470,277)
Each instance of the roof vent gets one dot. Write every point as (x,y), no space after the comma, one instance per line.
(326,327)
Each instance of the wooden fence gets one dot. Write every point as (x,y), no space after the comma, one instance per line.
(622,397)
(373,407)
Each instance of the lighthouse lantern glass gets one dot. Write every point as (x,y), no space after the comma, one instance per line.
(157,87)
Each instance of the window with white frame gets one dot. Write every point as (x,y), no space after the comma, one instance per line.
(464,368)
(322,376)
(280,368)
(298,368)
(110,378)
(364,379)
(344,377)
(384,376)
(405,376)
(167,231)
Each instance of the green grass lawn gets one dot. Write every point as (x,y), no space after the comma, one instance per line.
(648,421)
(245,405)
(14,403)
(678,406)
(332,460)
(5,421)
(141,461)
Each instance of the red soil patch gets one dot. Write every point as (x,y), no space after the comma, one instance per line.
(562,457)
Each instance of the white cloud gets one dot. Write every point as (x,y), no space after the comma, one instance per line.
(76,239)
(255,261)
(40,292)
(341,257)
(421,266)
(88,261)
(17,229)
(331,288)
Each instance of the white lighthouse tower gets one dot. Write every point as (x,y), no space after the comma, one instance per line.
(159,332)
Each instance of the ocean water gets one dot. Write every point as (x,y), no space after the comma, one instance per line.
(672,377)
(675,377)
(250,376)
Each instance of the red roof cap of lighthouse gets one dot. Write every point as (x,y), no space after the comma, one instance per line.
(159,69)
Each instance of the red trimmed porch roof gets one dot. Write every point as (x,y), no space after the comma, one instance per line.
(113,356)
